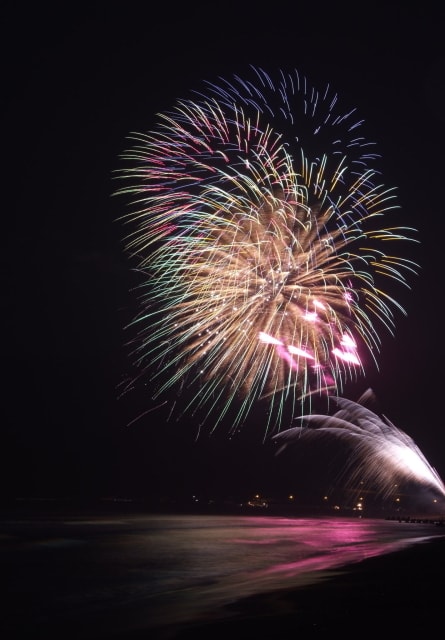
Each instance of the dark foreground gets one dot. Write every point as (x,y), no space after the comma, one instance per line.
(398,593)
(401,593)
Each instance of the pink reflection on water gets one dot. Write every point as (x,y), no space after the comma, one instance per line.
(337,544)
(222,560)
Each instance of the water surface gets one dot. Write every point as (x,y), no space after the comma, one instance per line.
(95,577)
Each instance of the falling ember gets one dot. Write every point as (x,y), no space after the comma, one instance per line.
(267,339)
(347,356)
(299,352)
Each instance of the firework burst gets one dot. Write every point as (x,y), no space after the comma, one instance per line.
(258,222)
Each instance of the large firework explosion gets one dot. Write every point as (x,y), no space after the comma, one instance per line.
(259,223)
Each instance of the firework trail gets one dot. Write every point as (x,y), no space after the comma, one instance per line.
(258,223)
(382,457)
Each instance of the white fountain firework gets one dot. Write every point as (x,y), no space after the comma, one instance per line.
(383,456)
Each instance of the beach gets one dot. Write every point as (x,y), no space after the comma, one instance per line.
(81,576)
(401,593)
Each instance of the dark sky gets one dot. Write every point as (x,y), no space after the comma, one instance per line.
(75,82)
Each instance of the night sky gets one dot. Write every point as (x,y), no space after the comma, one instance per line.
(75,83)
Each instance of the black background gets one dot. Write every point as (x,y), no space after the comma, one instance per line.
(75,81)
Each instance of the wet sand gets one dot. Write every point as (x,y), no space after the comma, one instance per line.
(401,593)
